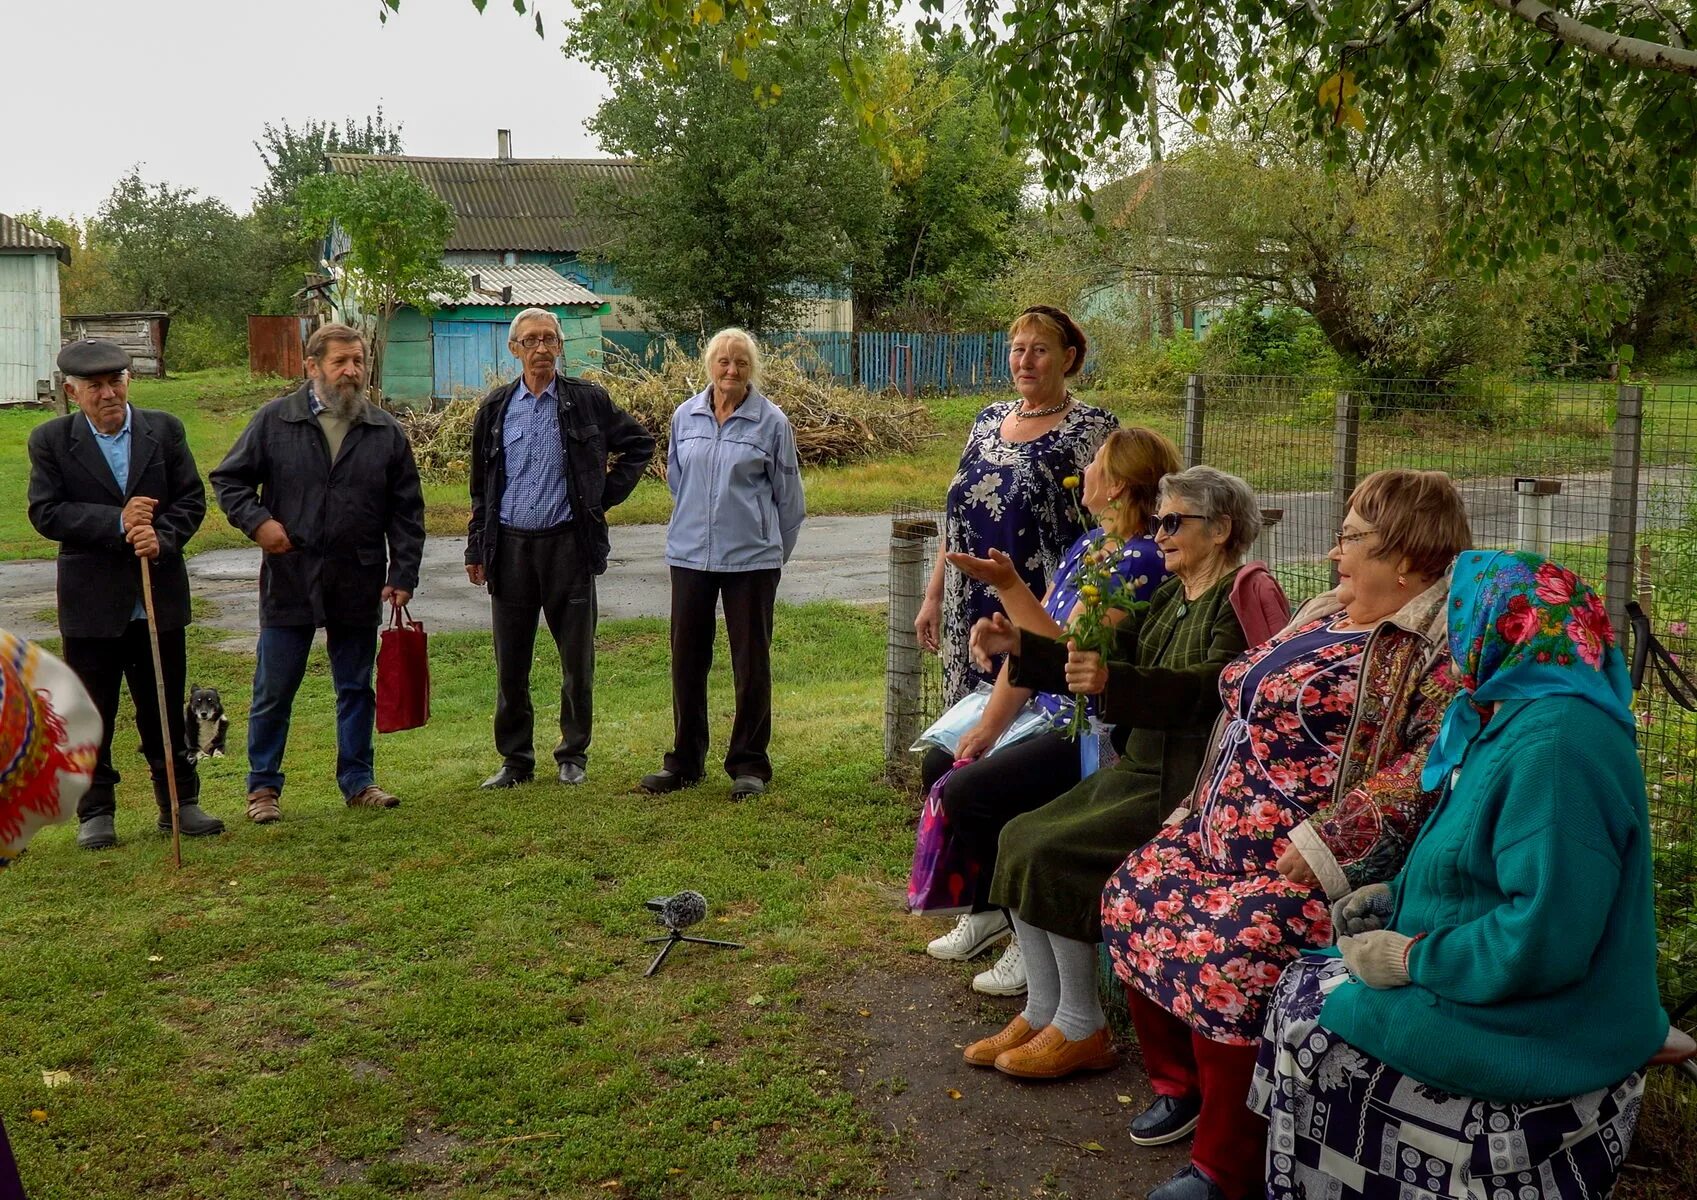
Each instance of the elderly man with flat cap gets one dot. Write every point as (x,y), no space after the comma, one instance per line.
(113,485)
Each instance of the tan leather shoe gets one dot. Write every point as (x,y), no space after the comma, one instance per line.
(983,1052)
(262,806)
(1050,1056)
(372,796)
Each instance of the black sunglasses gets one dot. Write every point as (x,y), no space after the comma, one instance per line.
(1169,525)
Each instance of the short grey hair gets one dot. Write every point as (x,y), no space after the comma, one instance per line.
(1218,496)
(535,314)
(731,333)
(82,380)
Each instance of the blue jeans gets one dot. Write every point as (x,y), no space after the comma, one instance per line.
(277,677)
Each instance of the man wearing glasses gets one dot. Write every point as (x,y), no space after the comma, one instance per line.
(549,456)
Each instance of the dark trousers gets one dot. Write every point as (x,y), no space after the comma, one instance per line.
(277,675)
(11,1187)
(983,796)
(1231,1139)
(542,572)
(749,597)
(103,664)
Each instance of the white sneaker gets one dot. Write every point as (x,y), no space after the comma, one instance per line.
(1007,977)
(970,937)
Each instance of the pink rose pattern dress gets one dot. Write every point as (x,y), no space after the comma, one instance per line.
(1198,919)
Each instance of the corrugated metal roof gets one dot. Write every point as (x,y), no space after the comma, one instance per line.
(15,235)
(533,285)
(540,204)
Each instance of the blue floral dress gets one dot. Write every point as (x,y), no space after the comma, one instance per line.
(1139,568)
(1198,919)
(1008,495)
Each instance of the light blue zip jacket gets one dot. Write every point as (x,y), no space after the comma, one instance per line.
(737,502)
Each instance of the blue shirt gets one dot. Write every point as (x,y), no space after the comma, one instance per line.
(535,496)
(115,449)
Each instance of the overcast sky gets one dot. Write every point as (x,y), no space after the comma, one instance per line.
(184,87)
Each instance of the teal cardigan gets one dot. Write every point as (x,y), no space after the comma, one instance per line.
(1536,977)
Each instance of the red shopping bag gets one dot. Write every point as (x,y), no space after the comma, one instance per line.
(944,875)
(403,674)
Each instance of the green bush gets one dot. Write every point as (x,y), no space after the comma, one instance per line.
(195,345)
(1124,358)
(1276,340)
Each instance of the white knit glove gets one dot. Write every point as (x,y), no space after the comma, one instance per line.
(1378,959)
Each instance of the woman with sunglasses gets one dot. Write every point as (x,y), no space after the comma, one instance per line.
(1051,862)
(1312,788)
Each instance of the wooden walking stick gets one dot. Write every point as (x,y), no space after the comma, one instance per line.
(164,716)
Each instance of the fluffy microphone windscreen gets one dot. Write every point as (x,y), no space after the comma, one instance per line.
(683,910)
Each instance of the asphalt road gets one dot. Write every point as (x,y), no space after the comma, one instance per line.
(837,558)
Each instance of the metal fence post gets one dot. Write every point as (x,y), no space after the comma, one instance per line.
(1623,507)
(1346,447)
(1195,409)
(903,709)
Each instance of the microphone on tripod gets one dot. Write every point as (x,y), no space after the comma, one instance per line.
(678,913)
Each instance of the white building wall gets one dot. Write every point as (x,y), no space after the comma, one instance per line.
(29,323)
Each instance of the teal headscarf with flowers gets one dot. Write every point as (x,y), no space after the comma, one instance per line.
(1522,627)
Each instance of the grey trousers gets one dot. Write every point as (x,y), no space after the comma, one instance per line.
(542,573)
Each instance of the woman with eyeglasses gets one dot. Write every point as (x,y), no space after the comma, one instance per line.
(1007,493)
(1311,789)
(1051,862)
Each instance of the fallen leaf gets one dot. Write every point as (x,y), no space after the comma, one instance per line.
(866,1012)
(1123,1099)
(38,1115)
(756,1001)
(155,958)
(612,1185)
(1093,1147)
(674,1170)
(717,1126)
(954,1093)
(55,1079)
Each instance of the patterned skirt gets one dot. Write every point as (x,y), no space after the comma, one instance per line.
(1345,1125)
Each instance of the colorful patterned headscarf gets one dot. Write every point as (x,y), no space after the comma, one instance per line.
(49,738)
(1522,627)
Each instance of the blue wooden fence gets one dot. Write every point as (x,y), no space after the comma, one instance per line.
(908,362)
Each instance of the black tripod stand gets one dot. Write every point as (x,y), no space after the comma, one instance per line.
(672,938)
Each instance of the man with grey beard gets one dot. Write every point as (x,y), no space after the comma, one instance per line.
(325,482)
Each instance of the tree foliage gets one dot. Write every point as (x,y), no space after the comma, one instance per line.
(1543,117)
(955,196)
(291,155)
(393,230)
(748,201)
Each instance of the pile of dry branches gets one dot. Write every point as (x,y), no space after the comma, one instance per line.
(833,423)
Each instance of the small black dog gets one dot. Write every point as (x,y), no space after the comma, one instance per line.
(204,726)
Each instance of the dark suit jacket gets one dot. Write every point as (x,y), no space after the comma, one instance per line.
(338,517)
(75,501)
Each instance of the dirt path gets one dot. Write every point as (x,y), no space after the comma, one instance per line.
(1003,1138)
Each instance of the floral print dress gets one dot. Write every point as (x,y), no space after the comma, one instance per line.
(1199,919)
(1008,496)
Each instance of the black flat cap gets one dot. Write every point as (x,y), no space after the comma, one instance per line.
(93,356)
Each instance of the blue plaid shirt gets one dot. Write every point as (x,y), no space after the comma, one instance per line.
(115,449)
(536,495)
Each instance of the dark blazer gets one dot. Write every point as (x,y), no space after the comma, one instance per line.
(338,517)
(606,451)
(75,501)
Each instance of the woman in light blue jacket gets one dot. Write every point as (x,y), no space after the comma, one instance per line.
(737,507)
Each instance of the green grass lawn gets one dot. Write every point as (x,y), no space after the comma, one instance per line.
(447,999)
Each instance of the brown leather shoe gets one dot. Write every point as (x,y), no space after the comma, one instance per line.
(1050,1056)
(983,1052)
(372,796)
(262,806)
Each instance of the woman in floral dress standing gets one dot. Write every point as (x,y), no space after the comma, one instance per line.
(1008,493)
(1311,789)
